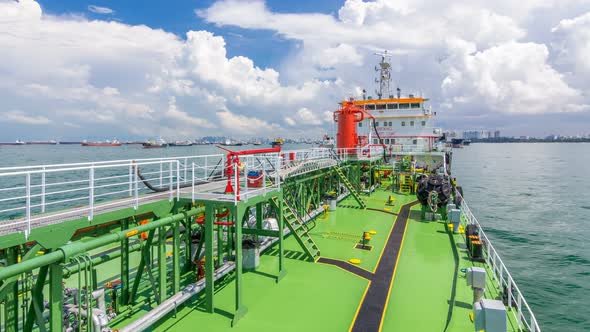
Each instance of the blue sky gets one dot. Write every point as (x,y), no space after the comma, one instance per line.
(179,17)
(133,69)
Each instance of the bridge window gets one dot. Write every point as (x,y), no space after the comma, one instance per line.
(415,105)
(403,123)
(360,124)
(404,106)
(370,106)
(380,106)
(377,124)
(415,142)
(423,123)
(412,123)
(393,141)
(391,106)
(390,124)
(387,141)
(375,141)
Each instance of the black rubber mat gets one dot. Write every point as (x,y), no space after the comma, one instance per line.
(348,267)
(373,306)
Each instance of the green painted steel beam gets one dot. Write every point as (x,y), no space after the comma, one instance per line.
(281,222)
(34,310)
(162,280)
(145,251)
(218,231)
(124,253)
(240,309)
(260,232)
(176,257)
(56,235)
(55,298)
(209,282)
(70,250)
(70,270)
(11,297)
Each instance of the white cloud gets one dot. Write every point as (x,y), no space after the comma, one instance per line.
(510,78)
(472,57)
(573,43)
(306,116)
(22,118)
(184,118)
(112,79)
(122,76)
(100,10)
(244,125)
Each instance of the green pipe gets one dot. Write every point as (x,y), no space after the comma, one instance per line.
(63,253)
(68,271)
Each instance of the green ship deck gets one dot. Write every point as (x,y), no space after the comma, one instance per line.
(173,263)
(428,292)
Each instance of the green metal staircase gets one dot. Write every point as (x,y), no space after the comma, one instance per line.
(299,230)
(350,188)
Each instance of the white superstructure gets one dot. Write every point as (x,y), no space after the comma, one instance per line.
(399,124)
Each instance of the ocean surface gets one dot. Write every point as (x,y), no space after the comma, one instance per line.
(533,201)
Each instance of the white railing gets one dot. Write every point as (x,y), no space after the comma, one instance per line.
(294,157)
(523,314)
(397,148)
(253,175)
(32,196)
(369,153)
(45,194)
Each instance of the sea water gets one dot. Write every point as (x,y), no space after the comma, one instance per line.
(533,201)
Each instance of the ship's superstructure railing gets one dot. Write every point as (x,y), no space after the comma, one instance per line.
(406,148)
(415,148)
(523,314)
(372,152)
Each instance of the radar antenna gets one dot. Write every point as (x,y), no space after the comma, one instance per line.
(384,78)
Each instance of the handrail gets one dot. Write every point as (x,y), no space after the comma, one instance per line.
(80,188)
(502,276)
(107,162)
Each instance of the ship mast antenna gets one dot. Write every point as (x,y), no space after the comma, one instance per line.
(384,70)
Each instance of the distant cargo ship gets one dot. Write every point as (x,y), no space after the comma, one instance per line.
(100,143)
(182,143)
(18,142)
(229,142)
(155,144)
(50,142)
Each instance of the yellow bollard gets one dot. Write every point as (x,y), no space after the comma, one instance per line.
(326,211)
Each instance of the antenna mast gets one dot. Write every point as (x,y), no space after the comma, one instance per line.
(384,78)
